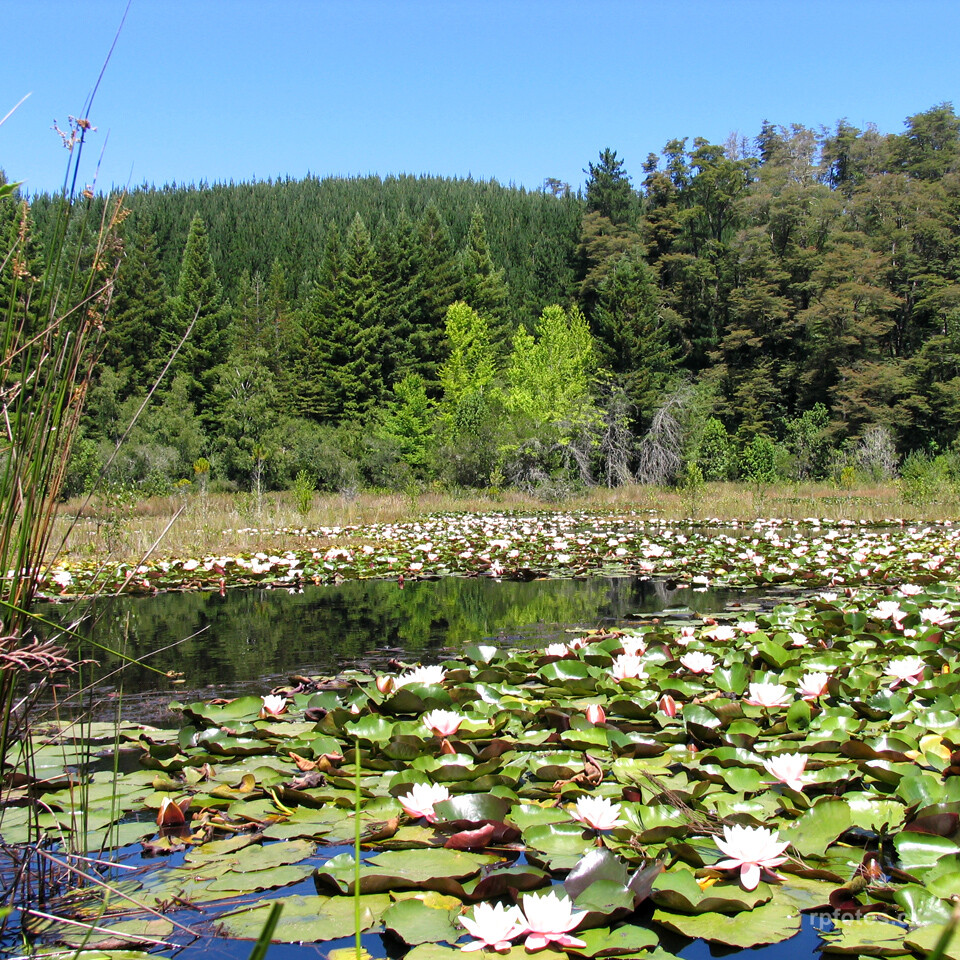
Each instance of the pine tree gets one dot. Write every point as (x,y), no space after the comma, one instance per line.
(139,323)
(483,285)
(199,301)
(633,335)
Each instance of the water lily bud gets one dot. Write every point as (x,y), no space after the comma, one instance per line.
(595,714)
(385,684)
(668,705)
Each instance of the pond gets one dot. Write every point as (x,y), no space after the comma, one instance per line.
(686,745)
(249,640)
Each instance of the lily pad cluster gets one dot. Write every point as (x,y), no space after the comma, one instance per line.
(762,552)
(715,780)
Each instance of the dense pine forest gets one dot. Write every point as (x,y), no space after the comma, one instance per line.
(787,306)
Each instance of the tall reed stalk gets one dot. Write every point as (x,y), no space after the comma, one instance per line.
(51,317)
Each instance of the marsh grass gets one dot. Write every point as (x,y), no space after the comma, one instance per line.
(216,524)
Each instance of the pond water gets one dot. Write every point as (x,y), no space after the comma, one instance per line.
(249,640)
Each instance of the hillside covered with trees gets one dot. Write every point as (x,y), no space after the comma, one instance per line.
(785,305)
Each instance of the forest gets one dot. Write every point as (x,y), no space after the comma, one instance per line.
(781,307)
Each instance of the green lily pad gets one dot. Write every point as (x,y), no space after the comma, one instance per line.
(415,922)
(771,923)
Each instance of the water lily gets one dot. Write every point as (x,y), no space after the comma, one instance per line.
(442,723)
(697,662)
(905,670)
(427,675)
(596,714)
(173,813)
(720,632)
(751,850)
(493,925)
(787,768)
(768,695)
(813,685)
(597,812)
(934,615)
(556,650)
(633,646)
(385,684)
(668,705)
(273,705)
(626,666)
(419,802)
(549,919)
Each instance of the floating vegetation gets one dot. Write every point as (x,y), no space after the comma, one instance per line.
(716,780)
(760,553)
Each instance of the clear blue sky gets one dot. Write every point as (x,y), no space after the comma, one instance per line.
(516,90)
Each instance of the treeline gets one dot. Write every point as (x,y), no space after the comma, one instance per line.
(783,306)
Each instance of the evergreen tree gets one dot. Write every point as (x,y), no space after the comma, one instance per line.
(483,285)
(438,286)
(633,336)
(199,301)
(139,323)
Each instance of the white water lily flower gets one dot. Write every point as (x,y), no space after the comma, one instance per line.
(549,919)
(633,646)
(698,662)
(889,610)
(273,705)
(419,802)
(905,670)
(720,632)
(597,812)
(934,615)
(768,695)
(751,850)
(626,666)
(556,650)
(813,685)
(493,925)
(442,723)
(421,675)
(787,768)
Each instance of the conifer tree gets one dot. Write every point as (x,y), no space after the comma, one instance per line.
(437,287)
(139,314)
(483,285)
(199,300)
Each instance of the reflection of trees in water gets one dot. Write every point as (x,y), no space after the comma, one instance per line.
(250,634)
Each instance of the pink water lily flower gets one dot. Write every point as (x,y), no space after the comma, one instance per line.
(549,919)
(751,850)
(626,666)
(596,714)
(668,705)
(698,662)
(597,812)
(442,723)
(420,800)
(768,695)
(813,685)
(787,768)
(493,925)
(905,670)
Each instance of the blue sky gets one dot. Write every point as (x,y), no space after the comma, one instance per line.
(517,90)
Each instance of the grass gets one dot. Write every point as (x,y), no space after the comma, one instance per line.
(219,524)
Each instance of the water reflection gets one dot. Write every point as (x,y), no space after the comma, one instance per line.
(253,637)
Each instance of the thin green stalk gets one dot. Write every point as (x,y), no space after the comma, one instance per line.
(356,849)
(260,948)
